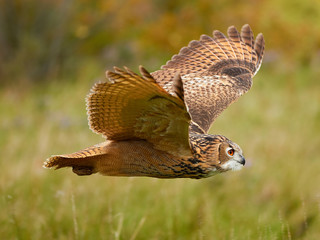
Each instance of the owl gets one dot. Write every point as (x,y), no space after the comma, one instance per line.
(156,124)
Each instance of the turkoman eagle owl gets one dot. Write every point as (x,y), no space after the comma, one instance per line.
(156,124)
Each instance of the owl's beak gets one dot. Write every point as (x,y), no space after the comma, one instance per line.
(242,161)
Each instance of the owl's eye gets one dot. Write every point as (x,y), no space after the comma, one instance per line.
(231,152)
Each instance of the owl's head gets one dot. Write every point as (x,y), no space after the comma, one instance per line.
(218,151)
(230,156)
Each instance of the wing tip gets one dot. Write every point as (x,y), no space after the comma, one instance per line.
(259,44)
(218,35)
(237,45)
(146,74)
(178,86)
(246,28)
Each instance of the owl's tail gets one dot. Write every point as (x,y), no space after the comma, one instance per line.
(82,162)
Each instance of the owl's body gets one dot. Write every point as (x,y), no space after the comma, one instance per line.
(140,158)
(156,124)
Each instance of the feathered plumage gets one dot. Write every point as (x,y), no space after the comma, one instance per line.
(156,124)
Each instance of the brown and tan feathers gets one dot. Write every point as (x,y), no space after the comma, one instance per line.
(133,107)
(215,71)
(80,158)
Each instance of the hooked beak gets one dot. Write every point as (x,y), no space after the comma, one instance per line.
(242,161)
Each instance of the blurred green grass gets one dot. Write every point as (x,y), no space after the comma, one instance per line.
(52,52)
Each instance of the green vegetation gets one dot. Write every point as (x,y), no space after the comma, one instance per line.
(277,124)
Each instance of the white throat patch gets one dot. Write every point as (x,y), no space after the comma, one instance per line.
(232,165)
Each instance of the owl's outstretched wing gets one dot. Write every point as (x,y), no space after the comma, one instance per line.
(130,106)
(215,72)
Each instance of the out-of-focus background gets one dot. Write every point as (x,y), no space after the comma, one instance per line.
(52,52)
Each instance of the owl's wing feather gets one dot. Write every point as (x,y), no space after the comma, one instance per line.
(215,71)
(133,107)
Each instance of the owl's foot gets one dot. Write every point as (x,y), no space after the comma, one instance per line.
(82,170)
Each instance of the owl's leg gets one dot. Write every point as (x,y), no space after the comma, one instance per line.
(82,170)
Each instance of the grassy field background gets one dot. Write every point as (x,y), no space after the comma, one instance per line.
(277,124)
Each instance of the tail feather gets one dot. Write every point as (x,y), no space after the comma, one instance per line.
(82,162)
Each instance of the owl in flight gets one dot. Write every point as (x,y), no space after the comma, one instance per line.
(156,124)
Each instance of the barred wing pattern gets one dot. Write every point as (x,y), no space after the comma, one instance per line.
(215,71)
(133,107)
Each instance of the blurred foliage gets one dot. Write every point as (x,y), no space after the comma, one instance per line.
(47,39)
